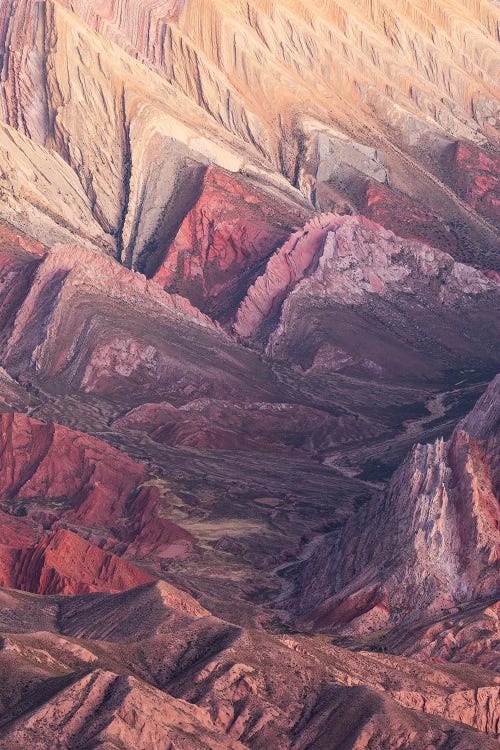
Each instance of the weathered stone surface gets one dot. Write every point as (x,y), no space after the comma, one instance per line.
(51,478)
(431,542)
(188,141)
(64,563)
(139,109)
(230,231)
(98,327)
(246,688)
(207,423)
(313,300)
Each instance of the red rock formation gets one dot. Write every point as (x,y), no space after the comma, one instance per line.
(407,218)
(107,708)
(286,267)
(475,174)
(232,228)
(49,461)
(88,323)
(212,424)
(12,239)
(64,563)
(51,475)
(247,687)
(430,543)
(468,634)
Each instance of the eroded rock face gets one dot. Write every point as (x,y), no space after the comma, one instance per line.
(406,218)
(138,110)
(111,708)
(90,324)
(442,548)
(64,563)
(218,682)
(188,140)
(339,271)
(55,481)
(469,634)
(287,266)
(230,231)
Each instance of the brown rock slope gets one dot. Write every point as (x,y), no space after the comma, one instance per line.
(142,669)
(430,543)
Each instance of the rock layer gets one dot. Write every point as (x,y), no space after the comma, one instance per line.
(312,302)
(391,92)
(230,231)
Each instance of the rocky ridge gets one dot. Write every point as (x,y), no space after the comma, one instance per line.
(444,549)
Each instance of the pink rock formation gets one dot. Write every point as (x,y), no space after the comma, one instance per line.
(213,424)
(64,563)
(188,140)
(362,270)
(218,683)
(467,635)
(475,174)
(77,292)
(407,218)
(109,708)
(232,228)
(430,543)
(286,267)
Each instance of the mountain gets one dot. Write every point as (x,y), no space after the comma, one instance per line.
(444,547)
(249,401)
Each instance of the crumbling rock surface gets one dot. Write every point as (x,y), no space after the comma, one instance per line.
(138,99)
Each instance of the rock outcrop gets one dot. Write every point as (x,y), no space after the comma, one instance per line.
(233,228)
(475,174)
(87,323)
(260,427)
(248,258)
(317,291)
(42,196)
(183,670)
(431,542)
(56,483)
(64,563)
(138,100)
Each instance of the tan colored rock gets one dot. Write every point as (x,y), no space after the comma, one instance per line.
(42,195)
